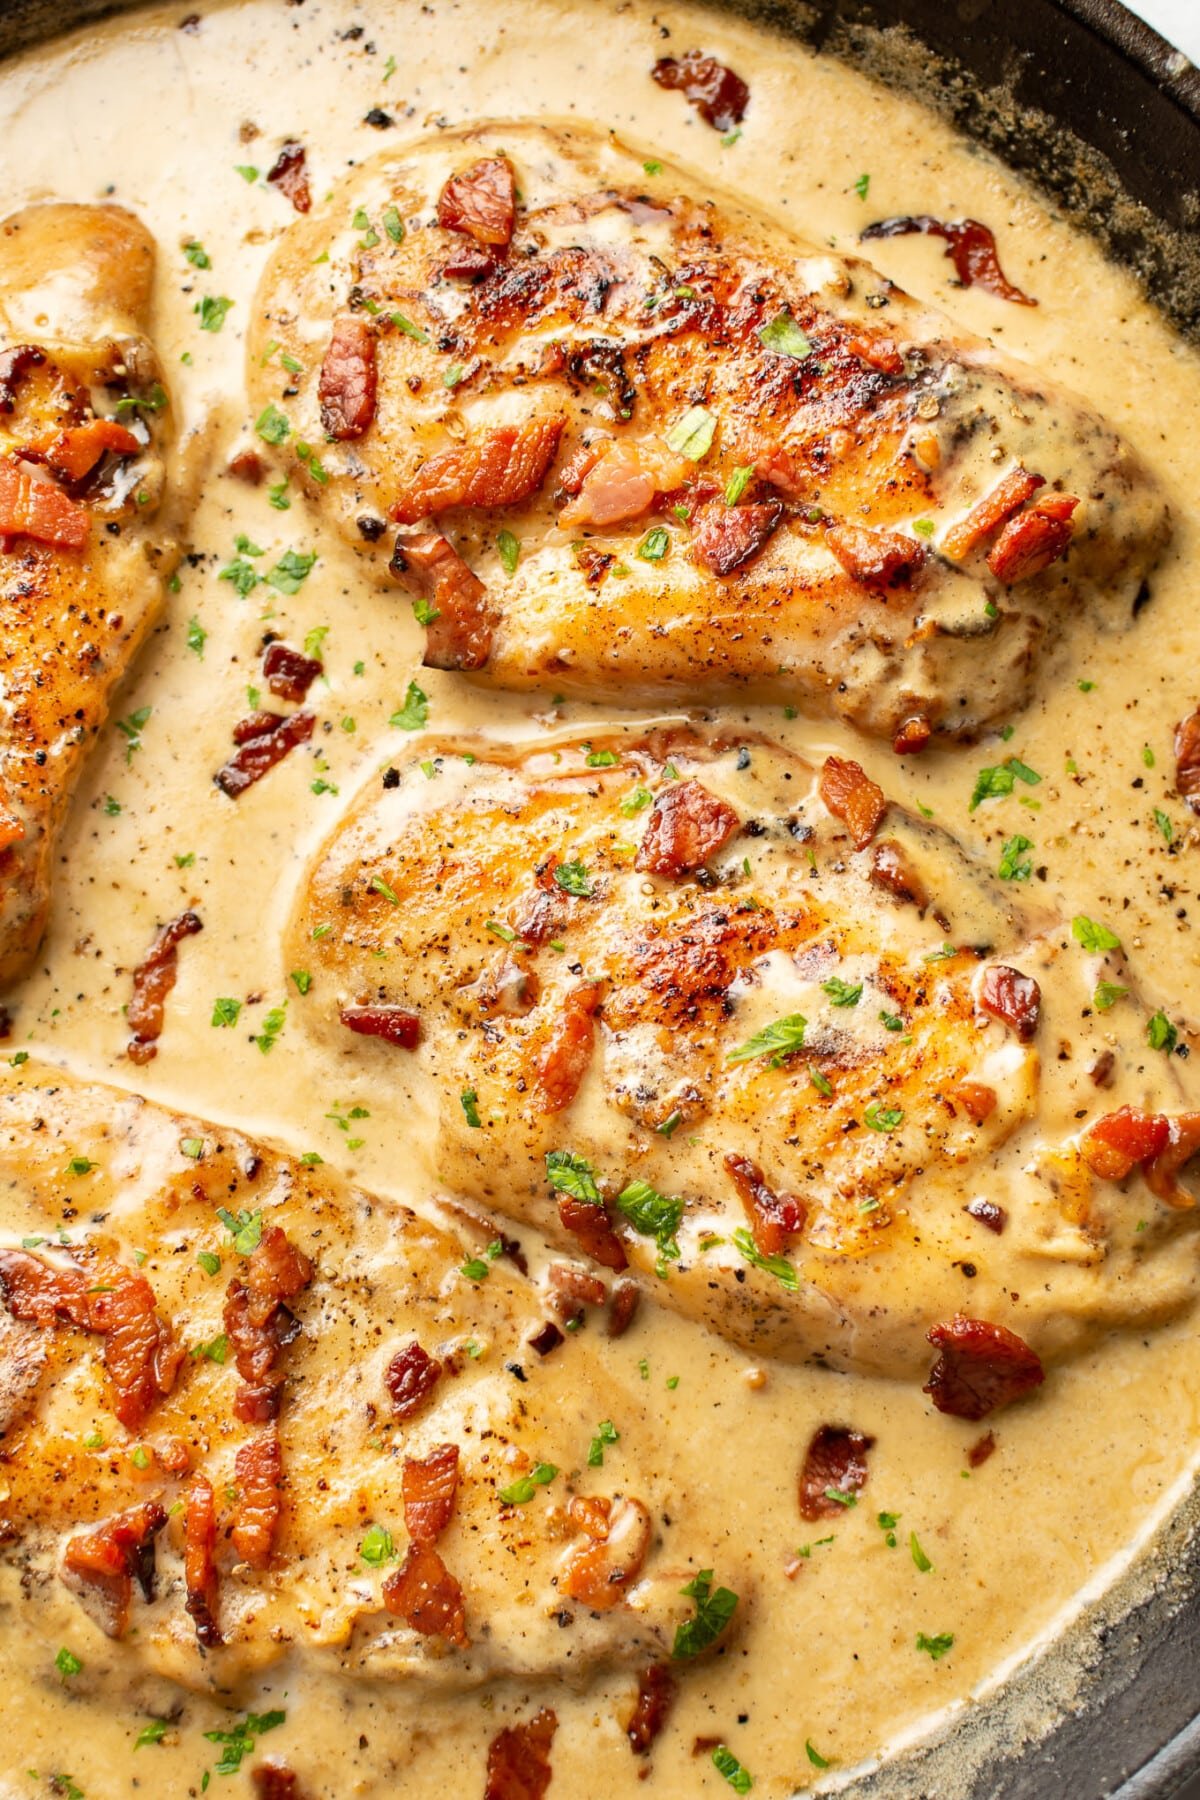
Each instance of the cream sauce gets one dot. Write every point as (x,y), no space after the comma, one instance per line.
(159,118)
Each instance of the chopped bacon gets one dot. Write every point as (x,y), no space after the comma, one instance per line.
(876,557)
(727,537)
(458,633)
(273,1781)
(589,1224)
(256,725)
(411,1377)
(14,363)
(518,1760)
(1013,998)
(987,1213)
(912,736)
(686,826)
(719,95)
(655,1697)
(575,1288)
(481,202)
(1033,540)
(289,173)
(564,1061)
(287,672)
(970,246)
(877,351)
(139,1349)
(615,482)
(37,509)
(626,1298)
(616,1540)
(836,1459)
(430,1489)
(775,1219)
(426,1596)
(278,1269)
(199,1561)
(981,1449)
(891,869)
(1187,759)
(75,453)
(978,1101)
(851,796)
(979,1367)
(546,1338)
(153,980)
(500,467)
(348,384)
(469,262)
(103,1564)
(259,1325)
(259,753)
(393,1024)
(1115,1145)
(41,1292)
(1183,1141)
(258,1475)
(583,459)
(989,514)
(246,466)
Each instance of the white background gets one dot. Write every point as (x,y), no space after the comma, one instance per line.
(1178,20)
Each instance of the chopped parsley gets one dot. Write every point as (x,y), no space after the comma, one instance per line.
(508,548)
(80,1165)
(887,1523)
(225,1010)
(635,801)
(883,1118)
(193,1147)
(477,1268)
(245,1229)
(862,186)
(713,1613)
(606,1433)
(153,1733)
(842,993)
(273,426)
(209,1261)
(522,1491)
(692,435)
(272,1025)
(776,1041)
(424,612)
(212,310)
(239,1742)
(67,1663)
(573,1175)
(1014,865)
(821,1082)
(653,1215)
(727,1764)
(377,1547)
(784,337)
(393,224)
(1164,825)
(291,571)
(379,886)
(131,730)
(654,545)
(573,878)
(1092,935)
(469,1101)
(408,328)
(918,1555)
(995,783)
(1107,994)
(602,759)
(814,1756)
(891,1021)
(197,255)
(936,1647)
(196,635)
(738,482)
(778,1266)
(1161,1034)
(215,1350)
(414,714)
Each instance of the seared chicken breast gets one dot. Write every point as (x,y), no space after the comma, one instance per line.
(247,1410)
(637,438)
(698,1007)
(82,566)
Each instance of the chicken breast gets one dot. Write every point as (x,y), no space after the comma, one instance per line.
(247,1411)
(82,567)
(637,437)
(700,1007)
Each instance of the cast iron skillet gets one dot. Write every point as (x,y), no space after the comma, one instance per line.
(1105,117)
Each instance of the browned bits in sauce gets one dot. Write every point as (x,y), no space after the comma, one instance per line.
(289,173)
(836,1459)
(287,672)
(1187,759)
(719,95)
(686,826)
(656,1692)
(394,1024)
(851,796)
(724,538)
(348,385)
(481,202)
(775,1219)
(969,245)
(104,1563)
(1013,998)
(411,1377)
(987,1213)
(876,557)
(546,1339)
(153,980)
(981,1449)
(979,1367)
(263,740)
(424,1593)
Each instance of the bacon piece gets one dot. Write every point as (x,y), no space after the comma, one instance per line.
(989,514)
(877,351)
(458,635)
(592,1230)
(430,1489)
(348,385)
(727,537)
(273,1781)
(41,1292)
(1187,759)
(259,1325)
(912,736)
(256,725)
(1183,1141)
(481,202)
(574,1288)
(287,672)
(153,980)
(518,1762)
(719,95)
(103,1564)
(199,1561)
(775,1219)
(470,262)
(686,826)
(615,482)
(836,1458)
(37,509)
(1033,540)
(14,363)
(987,1213)
(75,453)
(500,467)
(259,753)
(851,796)
(258,1474)
(970,246)
(656,1692)
(626,1298)
(411,1377)
(563,1062)
(246,466)
(139,1349)
(878,558)
(891,869)
(979,1367)
(1013,998)
(616,1540)
(981,1449)
(279,1269)
(391,1023)
(426,1596)
(1115,1145)
(289,173)
(977,1100)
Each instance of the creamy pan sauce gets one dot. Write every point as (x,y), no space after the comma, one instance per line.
(178,121)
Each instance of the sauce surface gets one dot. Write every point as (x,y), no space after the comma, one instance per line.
(180,122)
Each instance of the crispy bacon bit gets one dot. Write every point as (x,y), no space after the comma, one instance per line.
(500,467)
(14,363)
(199,1561)
(289,174)
(1115,1145)
(977,1100)
(272,1781)
(426,1596)
(989,514)
(246,466)
(258,1475)
(391,1023)
(256,725)
(727,537)
(912,736)
(1183,1141)
(969,245)
(42,1293)
(987,1213)
(348,385)
(718,94)
(74,454)
(979,1367)
(1187,759)
(1013,998)
(775,1219)
(686,826)
(851,796)
(612,483)
(981,1449)
(37,509)
(891,869)
(626,1298)
(836,1458)
(546,1339)
(878,558)
(563,1062)
(260,752)
(279,1269)
(589,1225)
(518,1761)
(616,1539)
(140,1353)
(1033,540)
(287,672)
(153,980)
(655,1697)
(470,262)
(411,1377)
(574,1288)
(481,203)
(102,1565)
(259,1325)
(430,1489)
(458,635)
